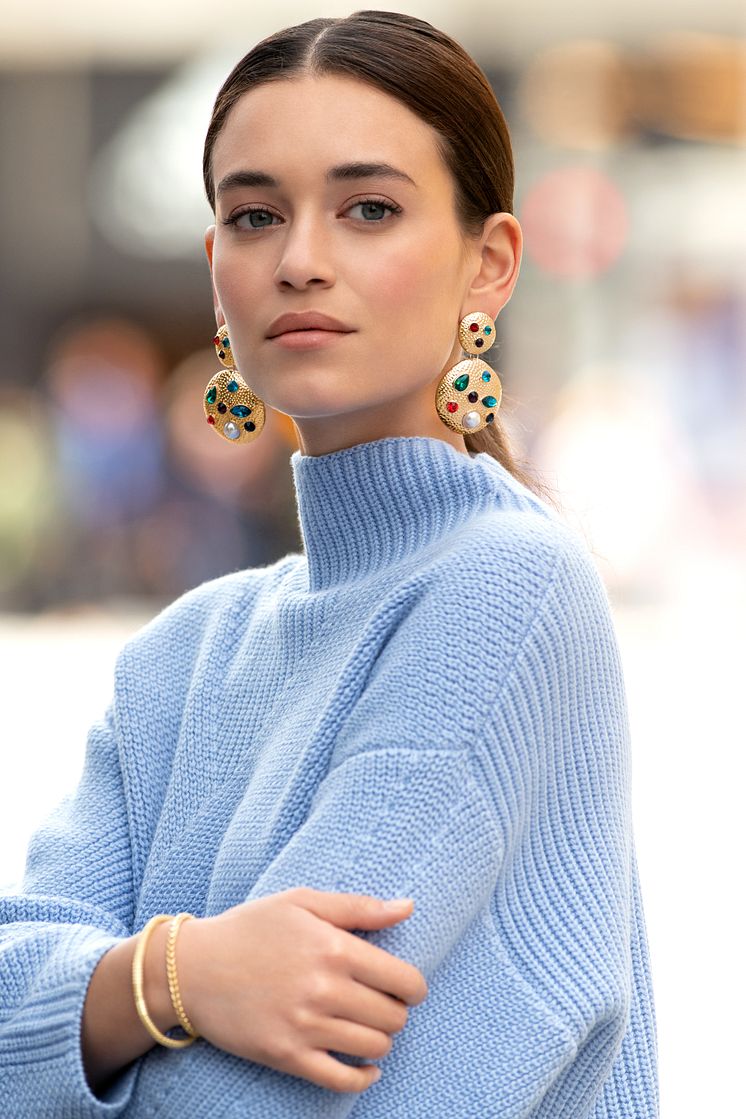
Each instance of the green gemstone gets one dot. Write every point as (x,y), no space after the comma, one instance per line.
(233,386)
(212,395)
(486,376)
(488,330)
(461,382)
(489,401)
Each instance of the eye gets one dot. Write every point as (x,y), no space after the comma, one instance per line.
(374,204)
(234,218)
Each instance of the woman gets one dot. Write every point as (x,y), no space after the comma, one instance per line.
(426,702)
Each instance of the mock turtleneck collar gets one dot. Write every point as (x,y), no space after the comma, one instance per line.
(374,504)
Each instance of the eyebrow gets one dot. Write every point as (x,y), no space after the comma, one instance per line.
(340,173)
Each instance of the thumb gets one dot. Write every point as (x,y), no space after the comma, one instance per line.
(354,911)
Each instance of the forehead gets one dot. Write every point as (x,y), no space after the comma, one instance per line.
(330,119)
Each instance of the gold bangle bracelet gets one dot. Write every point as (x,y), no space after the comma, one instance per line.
(173,982)
(137,987)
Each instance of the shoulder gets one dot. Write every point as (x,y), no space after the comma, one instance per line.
(506,565)
(203,615)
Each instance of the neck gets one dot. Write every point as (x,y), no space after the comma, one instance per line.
(364,507)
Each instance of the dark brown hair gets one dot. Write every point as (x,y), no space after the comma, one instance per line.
(437,79)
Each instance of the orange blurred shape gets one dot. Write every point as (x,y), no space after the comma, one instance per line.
(693,86)
(578,94)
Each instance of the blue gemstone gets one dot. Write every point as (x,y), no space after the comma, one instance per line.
(233,386)
(488,330)
(486,376)
(489,401)
(240,410)
(490,417)
(250,426)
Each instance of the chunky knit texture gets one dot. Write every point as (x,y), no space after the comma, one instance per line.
(427,701)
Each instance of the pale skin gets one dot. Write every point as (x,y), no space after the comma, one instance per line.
(281,980)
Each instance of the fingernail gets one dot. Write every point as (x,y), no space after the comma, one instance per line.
(396,903)
(376,1076)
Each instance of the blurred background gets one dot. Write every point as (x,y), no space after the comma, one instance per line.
(622,355)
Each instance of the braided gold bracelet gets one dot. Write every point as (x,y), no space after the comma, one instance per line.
(137,987)
(173,983)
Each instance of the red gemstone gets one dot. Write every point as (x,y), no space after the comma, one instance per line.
(216,339)
(474,326)
(211,419)
(451,406)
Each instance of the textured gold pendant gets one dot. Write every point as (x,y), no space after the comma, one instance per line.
(230,406)
(468,396)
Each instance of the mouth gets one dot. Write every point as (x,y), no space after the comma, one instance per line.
(308,337)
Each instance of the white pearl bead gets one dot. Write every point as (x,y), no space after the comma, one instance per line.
(472,419)
(231,430)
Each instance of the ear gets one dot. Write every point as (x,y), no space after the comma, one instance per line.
(209,246)
(499,252)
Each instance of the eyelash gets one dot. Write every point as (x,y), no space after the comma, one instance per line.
(263,210)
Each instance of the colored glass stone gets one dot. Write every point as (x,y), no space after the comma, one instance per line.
(249,426)
(226,344)
(474,326)
(490,417)
(212,395)
(233,386)
(222,407)
(479,341)
(216,339)
(488,330)
(473,397)
(451,406)
(486,376)
(489,401)
(221,354)
(241,410)
(461,382)
(211,419)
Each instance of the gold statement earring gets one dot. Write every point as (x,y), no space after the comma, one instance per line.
(231,408)
(459,397)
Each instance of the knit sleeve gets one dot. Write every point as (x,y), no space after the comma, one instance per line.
(75,904)
(567,910)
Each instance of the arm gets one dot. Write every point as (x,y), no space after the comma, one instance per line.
(74,907)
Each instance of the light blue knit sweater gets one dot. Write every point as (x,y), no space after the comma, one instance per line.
(428,701)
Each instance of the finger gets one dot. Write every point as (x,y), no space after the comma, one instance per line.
(385,972)
(323,1069)
(351,911)
(356,1002)
(345,1036)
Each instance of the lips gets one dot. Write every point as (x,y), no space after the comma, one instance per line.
(306,320)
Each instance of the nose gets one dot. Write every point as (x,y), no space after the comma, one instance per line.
(306,255)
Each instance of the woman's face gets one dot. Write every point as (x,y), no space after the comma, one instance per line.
(379,250)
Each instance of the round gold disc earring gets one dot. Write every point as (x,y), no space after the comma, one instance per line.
(231,408)
(469,394)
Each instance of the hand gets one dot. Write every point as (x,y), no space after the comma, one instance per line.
(279,980)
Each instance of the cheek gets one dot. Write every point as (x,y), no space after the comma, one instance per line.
(413,282)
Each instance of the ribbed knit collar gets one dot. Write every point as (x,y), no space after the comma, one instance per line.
(374,504)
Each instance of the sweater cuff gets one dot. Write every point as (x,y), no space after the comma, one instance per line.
(43,1060)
